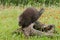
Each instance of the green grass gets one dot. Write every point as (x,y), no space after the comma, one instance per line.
(9,23)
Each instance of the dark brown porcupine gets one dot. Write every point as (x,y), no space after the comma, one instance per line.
(29,16)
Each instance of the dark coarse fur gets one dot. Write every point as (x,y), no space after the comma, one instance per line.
(29,16)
